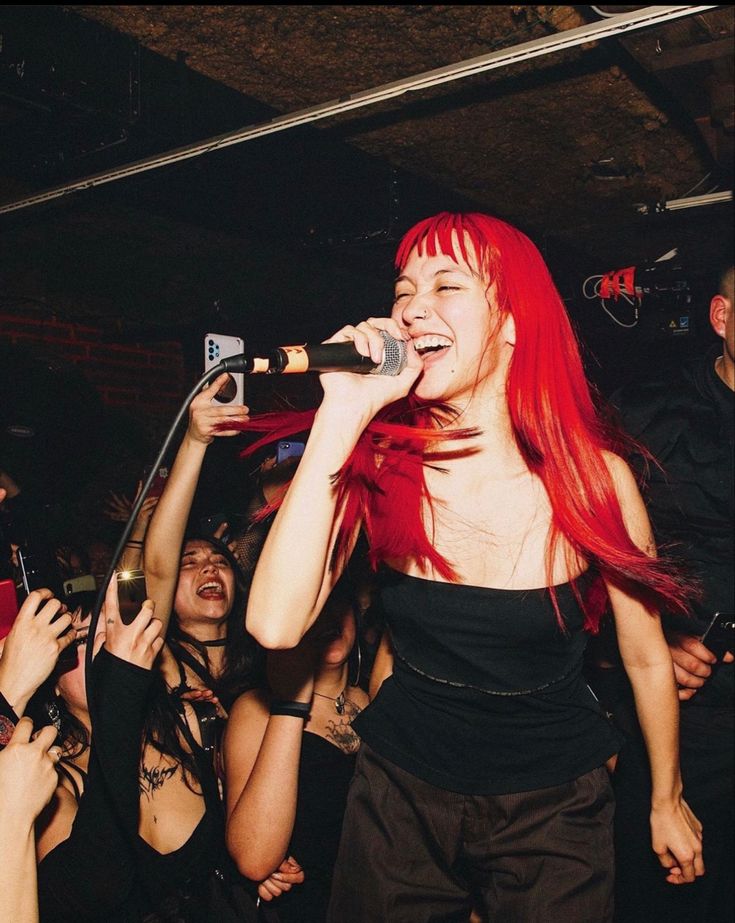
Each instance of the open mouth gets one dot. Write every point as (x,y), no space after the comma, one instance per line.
(211,590)
(431,345)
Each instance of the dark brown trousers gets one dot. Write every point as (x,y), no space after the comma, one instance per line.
(414,853)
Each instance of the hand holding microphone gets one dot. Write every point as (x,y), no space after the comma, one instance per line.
(388,356)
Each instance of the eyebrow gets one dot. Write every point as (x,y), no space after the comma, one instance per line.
(439,272)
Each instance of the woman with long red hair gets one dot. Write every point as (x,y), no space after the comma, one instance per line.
(504,520)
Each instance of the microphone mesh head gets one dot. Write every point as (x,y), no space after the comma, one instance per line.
(394,356)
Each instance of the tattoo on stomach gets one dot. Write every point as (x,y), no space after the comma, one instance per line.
(152,778)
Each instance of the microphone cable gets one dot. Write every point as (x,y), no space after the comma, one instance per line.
(209,376)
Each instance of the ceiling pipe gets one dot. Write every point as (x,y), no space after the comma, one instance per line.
(611,26)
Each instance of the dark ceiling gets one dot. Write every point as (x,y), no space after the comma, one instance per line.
(292,234)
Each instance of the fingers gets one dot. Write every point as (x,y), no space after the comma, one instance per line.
(31,604)
(273,887)
(45,737)
(112,606)
(689,680)
(22,732)
(66,640)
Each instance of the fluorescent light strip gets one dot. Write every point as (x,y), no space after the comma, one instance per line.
(613,25)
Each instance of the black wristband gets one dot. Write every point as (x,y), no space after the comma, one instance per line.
(294,709)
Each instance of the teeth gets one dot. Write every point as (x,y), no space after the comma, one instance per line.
(431,342)
(209,586)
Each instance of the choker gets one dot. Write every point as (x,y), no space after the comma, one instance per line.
(218,642)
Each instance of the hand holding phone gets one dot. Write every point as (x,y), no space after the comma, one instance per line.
(131,593)
(218,346)
(719,638)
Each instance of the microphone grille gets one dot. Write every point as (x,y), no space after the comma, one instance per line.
(394,356)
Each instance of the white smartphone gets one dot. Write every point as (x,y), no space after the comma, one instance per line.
(218,346)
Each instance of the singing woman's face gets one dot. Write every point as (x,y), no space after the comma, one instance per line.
(206,586)
(449,310)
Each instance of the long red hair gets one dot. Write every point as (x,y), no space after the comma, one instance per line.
(555,421)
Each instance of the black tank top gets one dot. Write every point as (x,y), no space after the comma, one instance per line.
(487,694)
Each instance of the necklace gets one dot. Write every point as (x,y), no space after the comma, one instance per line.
(217,642)
(339,702)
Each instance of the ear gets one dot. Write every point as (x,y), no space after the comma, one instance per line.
(508,330)
(718,310)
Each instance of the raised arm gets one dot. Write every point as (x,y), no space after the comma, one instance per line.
(293,578)
(262,754)
(676,832)
(165,534)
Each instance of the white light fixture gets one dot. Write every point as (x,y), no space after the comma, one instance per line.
(694,201)
(619,24)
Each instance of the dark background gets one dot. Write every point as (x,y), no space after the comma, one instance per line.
(285,238)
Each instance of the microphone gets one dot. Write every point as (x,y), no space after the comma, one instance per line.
(322,357)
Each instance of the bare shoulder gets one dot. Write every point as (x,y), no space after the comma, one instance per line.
(631,502)
(619,469)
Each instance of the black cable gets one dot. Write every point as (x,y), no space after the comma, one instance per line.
(225,365)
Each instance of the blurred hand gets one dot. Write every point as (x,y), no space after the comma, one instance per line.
(204,695)
(32,646)
(289,873)
(692,663)
(119,506)
(139,642)
(28,773)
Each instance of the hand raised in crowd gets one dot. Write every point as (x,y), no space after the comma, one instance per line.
(207,420)
(32,647)
(140,642)
(693,663)
(119,506)
(288,873)
(28,773)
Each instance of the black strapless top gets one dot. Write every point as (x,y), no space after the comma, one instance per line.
(487,694)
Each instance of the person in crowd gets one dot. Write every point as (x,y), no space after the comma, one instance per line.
(118,509)
(686,421)
(287,769)
(135,831)
(27,782)
(196,580)
(41,632)
(504,516)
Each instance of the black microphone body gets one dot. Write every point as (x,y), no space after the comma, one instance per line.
(322,357)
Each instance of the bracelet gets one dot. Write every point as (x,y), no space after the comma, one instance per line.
(133,541)
(294,709)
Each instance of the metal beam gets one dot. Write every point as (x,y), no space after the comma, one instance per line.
(610,26)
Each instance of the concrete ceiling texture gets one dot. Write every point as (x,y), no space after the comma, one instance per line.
(293,227)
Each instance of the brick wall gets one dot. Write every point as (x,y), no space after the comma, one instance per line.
(149,379)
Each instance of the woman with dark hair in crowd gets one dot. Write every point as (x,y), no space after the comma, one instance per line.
(166,798)
(195,580)
(482,767)
(286,784)
(136,828)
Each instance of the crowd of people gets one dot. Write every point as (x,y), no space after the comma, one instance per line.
(448,668)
